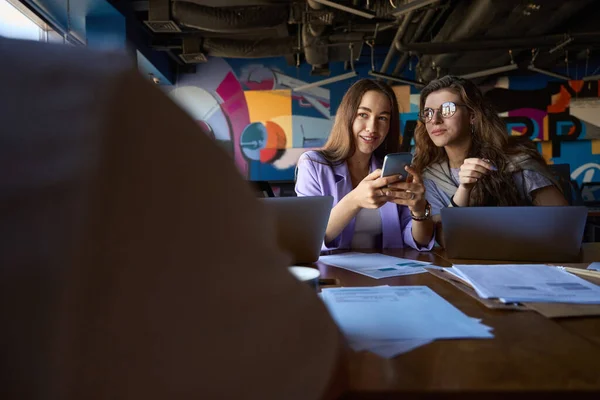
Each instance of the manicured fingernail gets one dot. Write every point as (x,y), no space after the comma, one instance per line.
(493,168)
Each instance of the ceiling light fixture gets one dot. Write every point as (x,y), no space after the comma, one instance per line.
(342,7)
(491,71)
(591,78)
(413,5)
(561,45)
(549,73)
(532,67)
(323,82)
(397,79)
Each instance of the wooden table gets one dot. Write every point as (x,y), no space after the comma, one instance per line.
(529,354)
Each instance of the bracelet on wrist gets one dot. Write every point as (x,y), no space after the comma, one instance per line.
(423,217)
(453,203)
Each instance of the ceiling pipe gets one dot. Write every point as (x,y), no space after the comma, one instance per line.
(474,17)
(412,6)
(397,38)
(347,9)
(417,36)
(538,42)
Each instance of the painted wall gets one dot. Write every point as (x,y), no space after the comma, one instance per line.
(249,107)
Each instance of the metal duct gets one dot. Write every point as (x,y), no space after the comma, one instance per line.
(315,47)
(314,5)
(397,38)
(237,3)
(416,37)
(383,8)
(229,19)
(470,19)
(240,48)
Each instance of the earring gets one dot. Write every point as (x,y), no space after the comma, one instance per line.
(472,129)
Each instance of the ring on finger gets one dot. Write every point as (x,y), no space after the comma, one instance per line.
(412,196)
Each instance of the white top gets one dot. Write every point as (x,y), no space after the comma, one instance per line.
(367,230)
(148,283)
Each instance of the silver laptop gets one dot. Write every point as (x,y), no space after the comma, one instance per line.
(301,224)
(544,234)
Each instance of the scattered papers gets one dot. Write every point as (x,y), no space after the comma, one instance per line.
(527,283)
(375,265)
(595,266)
(392,320)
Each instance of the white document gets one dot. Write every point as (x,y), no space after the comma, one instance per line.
(391,348)
(375,265)
(533,283)
(595,266)
(398,313)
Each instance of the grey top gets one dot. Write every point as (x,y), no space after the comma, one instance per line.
(440,199)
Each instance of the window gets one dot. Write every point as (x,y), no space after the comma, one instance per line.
(19,22)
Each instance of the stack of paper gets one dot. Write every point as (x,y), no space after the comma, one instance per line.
(595,266)
(389,320)
(375,265)
(527,283)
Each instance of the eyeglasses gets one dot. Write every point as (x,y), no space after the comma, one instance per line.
(446,110)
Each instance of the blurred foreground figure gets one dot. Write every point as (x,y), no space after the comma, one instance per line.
(135,262)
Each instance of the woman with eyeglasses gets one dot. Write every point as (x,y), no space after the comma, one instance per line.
(467,158)
(369,211)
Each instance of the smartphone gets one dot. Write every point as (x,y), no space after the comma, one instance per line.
(394,163)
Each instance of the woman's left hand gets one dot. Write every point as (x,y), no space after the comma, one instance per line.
(410,193)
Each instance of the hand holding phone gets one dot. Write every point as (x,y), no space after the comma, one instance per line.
(395,163)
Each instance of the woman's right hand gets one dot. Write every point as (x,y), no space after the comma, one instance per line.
(472,170)
(370,193)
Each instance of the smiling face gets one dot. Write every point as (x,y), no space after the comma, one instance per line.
(452,130)
(372,121)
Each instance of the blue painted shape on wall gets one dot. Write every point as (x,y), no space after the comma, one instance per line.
(263,171)
(530,82)
(579,153)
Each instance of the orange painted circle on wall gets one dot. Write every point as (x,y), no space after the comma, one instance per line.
(276,140)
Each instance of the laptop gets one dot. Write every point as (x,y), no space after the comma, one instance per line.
(301,224)
(544,234)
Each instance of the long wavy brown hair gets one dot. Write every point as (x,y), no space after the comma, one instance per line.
(341,146)
(489,139)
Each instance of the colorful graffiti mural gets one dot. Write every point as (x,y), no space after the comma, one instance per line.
(249,107)
(253,112)
(562,115)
